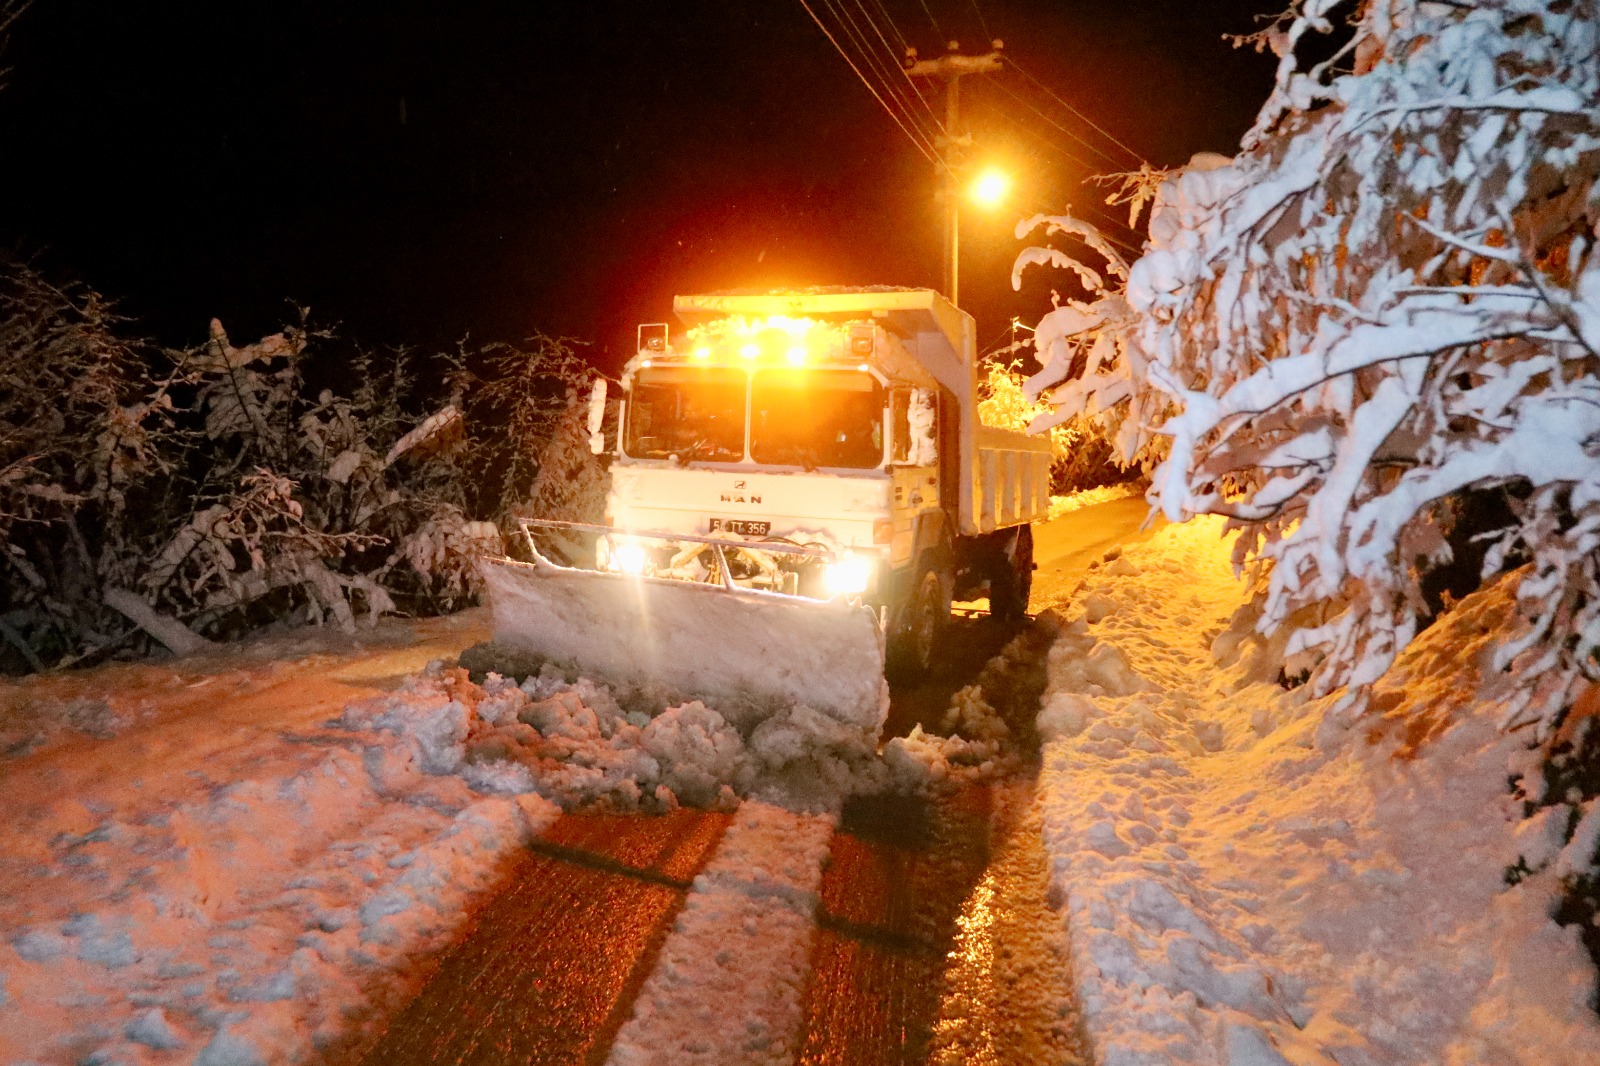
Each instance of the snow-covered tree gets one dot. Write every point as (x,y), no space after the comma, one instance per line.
(1091,377)
(176,494)
(1384,310)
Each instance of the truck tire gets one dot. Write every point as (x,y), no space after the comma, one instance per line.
(1011,577)
(914,646)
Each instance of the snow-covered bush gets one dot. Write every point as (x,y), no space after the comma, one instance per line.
(79,429)
(522,396)
(570,484)
(534,455)
(1082,455)
(1387,306)
(295,499)
(210,489)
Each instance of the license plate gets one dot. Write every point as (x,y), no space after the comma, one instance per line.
(743,527)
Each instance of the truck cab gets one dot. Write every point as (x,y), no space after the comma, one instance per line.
(832,434)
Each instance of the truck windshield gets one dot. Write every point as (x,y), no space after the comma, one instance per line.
(815,418)
(691,412)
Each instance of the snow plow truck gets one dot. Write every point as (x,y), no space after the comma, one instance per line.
(800,486)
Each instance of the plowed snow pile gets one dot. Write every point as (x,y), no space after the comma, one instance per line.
(239,869)
(1251,879)
(573,743)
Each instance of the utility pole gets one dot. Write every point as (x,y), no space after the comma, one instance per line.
(950,68)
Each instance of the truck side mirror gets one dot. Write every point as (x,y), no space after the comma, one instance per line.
(922,418)
(597,417)
(912,428)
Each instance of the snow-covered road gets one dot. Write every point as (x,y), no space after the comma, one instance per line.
(915,930)
(1063,550)
(311,851)
(238,859)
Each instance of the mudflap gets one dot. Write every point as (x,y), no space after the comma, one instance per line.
(744,652)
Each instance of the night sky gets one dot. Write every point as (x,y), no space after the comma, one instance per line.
(415,172)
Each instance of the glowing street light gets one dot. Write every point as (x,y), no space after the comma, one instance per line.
(990,188)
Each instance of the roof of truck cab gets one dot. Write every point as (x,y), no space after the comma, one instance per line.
(905,310)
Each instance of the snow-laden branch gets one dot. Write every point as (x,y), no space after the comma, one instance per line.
(1385,309)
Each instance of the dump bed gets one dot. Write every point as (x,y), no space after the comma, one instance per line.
(1012,480)
(1000,477)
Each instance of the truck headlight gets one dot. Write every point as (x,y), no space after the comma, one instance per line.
(848,575)
(630,558)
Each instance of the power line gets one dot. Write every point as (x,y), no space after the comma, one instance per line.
(981,20)
(932,157)
(904,47)
(1113,160)
(895,75)
(1085,118)
(876,75)
(904,44)
(933,20)
(882,69)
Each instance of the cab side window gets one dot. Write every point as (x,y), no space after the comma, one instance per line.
(900,423)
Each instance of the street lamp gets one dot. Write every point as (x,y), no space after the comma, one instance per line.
(990,188)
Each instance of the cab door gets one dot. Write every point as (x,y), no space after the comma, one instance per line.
(914,470)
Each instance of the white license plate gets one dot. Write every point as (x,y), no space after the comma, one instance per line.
(741,526)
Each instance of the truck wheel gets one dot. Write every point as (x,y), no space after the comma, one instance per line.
(922,624)
(1011,578)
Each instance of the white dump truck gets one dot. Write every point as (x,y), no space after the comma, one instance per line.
(799,488)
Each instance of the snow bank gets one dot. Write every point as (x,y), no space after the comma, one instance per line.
(1077,501)
(1245,880)
(246,919)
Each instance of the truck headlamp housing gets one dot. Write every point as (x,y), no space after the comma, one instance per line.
(849,575)
(630,558)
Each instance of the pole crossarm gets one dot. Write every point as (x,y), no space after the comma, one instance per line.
(954,65)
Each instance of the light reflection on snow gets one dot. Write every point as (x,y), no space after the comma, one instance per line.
(1002,997)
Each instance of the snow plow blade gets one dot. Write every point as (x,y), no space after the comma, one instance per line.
(744,652)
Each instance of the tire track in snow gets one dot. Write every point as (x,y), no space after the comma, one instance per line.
(899,869)
(730,983)
(547,969)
